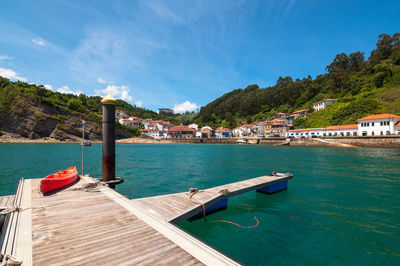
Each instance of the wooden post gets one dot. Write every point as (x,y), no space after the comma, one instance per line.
(108,127)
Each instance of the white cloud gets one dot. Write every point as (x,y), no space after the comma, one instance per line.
(10,74)
(67,90)
(138,103)
(5,57)
(49,87)
(102,81)
(39,41)
(118,92)
(185,107)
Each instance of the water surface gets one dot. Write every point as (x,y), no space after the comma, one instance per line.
(342,207)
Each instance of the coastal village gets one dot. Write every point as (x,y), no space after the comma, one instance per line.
(280,127)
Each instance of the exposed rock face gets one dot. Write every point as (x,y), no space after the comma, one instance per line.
(35,120)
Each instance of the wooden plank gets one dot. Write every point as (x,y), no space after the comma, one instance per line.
(79,227)
(23,244)
(196,248)
(6,201)
(11,222)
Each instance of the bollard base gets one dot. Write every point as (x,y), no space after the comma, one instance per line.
(113,183)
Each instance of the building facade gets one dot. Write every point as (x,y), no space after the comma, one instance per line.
(323,104)
(181,132)
(378,125)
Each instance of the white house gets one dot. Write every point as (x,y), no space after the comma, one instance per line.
(334,131)
(341,131)
(305,133)
(222,133)
(194,126)
(237,132)
(246,129)
(322,104)
(129,122)
(207,131)
(378,125)
(155,133)
(198,134)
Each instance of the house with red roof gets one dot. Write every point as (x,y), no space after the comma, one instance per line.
(130,122)
(207,132)
(181,132)
(303,112)
(378,125)
(221,133)
(334,131)
(323,104)
(371,125)
(155,133)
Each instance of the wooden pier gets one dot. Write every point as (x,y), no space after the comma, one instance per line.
(89,223)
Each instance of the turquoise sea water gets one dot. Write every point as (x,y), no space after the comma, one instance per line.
(342,207)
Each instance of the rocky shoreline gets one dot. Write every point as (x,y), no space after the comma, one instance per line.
(350,142)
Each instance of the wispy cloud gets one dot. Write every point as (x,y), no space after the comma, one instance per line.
(185,107)
(102,81)
(10,74)
(162,9)
(67,90)
(49,87)
(5,57)
(118,92)
(39,41)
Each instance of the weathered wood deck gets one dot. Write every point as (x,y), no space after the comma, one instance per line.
(6,201)
(98,225)
(177,207)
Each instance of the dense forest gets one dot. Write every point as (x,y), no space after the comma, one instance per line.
(361,86)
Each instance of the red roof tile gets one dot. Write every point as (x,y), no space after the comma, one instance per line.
(355,126)
(181,128)
(380,116)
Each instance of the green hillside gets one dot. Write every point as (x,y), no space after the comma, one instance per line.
(361,86)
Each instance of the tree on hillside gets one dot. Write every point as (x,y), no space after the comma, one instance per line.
(338,71)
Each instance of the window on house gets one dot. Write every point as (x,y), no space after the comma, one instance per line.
(364,133)
(387,133)
(372,124)
(381,123)
(373,133)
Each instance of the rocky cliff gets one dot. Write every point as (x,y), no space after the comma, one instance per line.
(33,120)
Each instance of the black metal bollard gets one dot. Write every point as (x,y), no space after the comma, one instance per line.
(108,127)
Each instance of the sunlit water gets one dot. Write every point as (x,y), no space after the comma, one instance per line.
(342,207)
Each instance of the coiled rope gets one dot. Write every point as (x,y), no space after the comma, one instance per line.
(193,191)
(8,260)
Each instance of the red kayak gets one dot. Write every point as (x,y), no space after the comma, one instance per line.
(58,180)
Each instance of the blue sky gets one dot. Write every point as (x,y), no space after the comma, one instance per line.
(181,54)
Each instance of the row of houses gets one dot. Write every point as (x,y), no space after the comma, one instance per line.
(281,126)
(148,124)
(372,125)
(184,132)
